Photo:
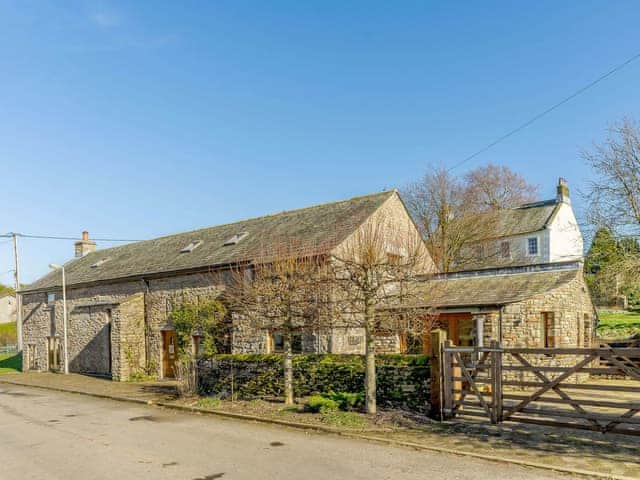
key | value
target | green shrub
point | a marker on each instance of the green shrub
(403, 380)
(346, 401)
(318, 403)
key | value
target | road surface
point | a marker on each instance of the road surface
(50, 435)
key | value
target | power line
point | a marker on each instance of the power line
(547, 111)
(54, 237)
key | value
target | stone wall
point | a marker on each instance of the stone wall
(387, 343)
(90, 313)
(572, 326)
(128, 339)
(94, 311)
(162, 294)
(117, 328)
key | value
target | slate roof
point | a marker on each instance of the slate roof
(497, 289)
(321, 227)
(526, 218)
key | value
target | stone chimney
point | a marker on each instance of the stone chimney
(563, 191)
(85, 245)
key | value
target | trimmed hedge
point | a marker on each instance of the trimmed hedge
(403, 380)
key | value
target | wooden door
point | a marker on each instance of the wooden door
(169, 353)
(458, 327)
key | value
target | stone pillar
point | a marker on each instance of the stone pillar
(438, 338)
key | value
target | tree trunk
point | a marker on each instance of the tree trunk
(370, 359)
(288, 369)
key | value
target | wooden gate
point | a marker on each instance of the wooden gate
(560, 387)
(472, 381)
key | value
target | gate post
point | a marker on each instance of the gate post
(438, 337)
(447, 381)
(496, 382)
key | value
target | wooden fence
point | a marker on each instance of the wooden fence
(545, 386)
(604, 362)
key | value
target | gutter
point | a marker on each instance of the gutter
(137, 277)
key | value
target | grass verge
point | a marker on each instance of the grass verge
(618, 325)
(10, 363)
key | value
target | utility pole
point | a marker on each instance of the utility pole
(16, 259)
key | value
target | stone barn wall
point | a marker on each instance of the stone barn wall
(572, 326)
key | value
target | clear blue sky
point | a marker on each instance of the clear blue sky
(136, 119)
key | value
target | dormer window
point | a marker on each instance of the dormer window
(191, 247)
(236, 238)
(532, 246)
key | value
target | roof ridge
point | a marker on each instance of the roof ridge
(539, 203)
(295, 210)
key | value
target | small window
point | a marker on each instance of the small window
(236, 238)
(51, 297)
(354, 340)
(277, 342)
(532, 246)
(587, 330)
(191, 247)
(505, 249)
(547, 336)
(394, 259)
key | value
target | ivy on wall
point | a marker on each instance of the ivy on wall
(203, 319)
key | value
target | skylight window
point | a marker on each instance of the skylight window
(191, 247)
(236, 238)
(99, 263)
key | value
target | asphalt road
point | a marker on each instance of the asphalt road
(50, 435)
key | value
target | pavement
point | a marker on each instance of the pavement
(58, 435)
(153, 391)
(564, 450)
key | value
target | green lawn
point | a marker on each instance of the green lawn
(618, 325)
(8, 334)
(10, 363)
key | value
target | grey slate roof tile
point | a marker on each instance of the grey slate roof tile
(527, 218)
(321, 227)
(497, 289)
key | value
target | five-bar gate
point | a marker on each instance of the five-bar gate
(545, 386)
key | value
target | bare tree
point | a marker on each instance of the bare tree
(614, 193)
(372, 269)
(448, 223)
(454, 213)
(280, 291)
(496, 187)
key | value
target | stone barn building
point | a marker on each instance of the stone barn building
(537, 306)
(530, 292)
(522, 285)
(120, 299)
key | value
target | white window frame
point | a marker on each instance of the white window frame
(528, 250)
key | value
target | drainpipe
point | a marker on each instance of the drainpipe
(147, 346)
(500, 325)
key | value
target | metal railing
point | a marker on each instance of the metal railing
(8, 349)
